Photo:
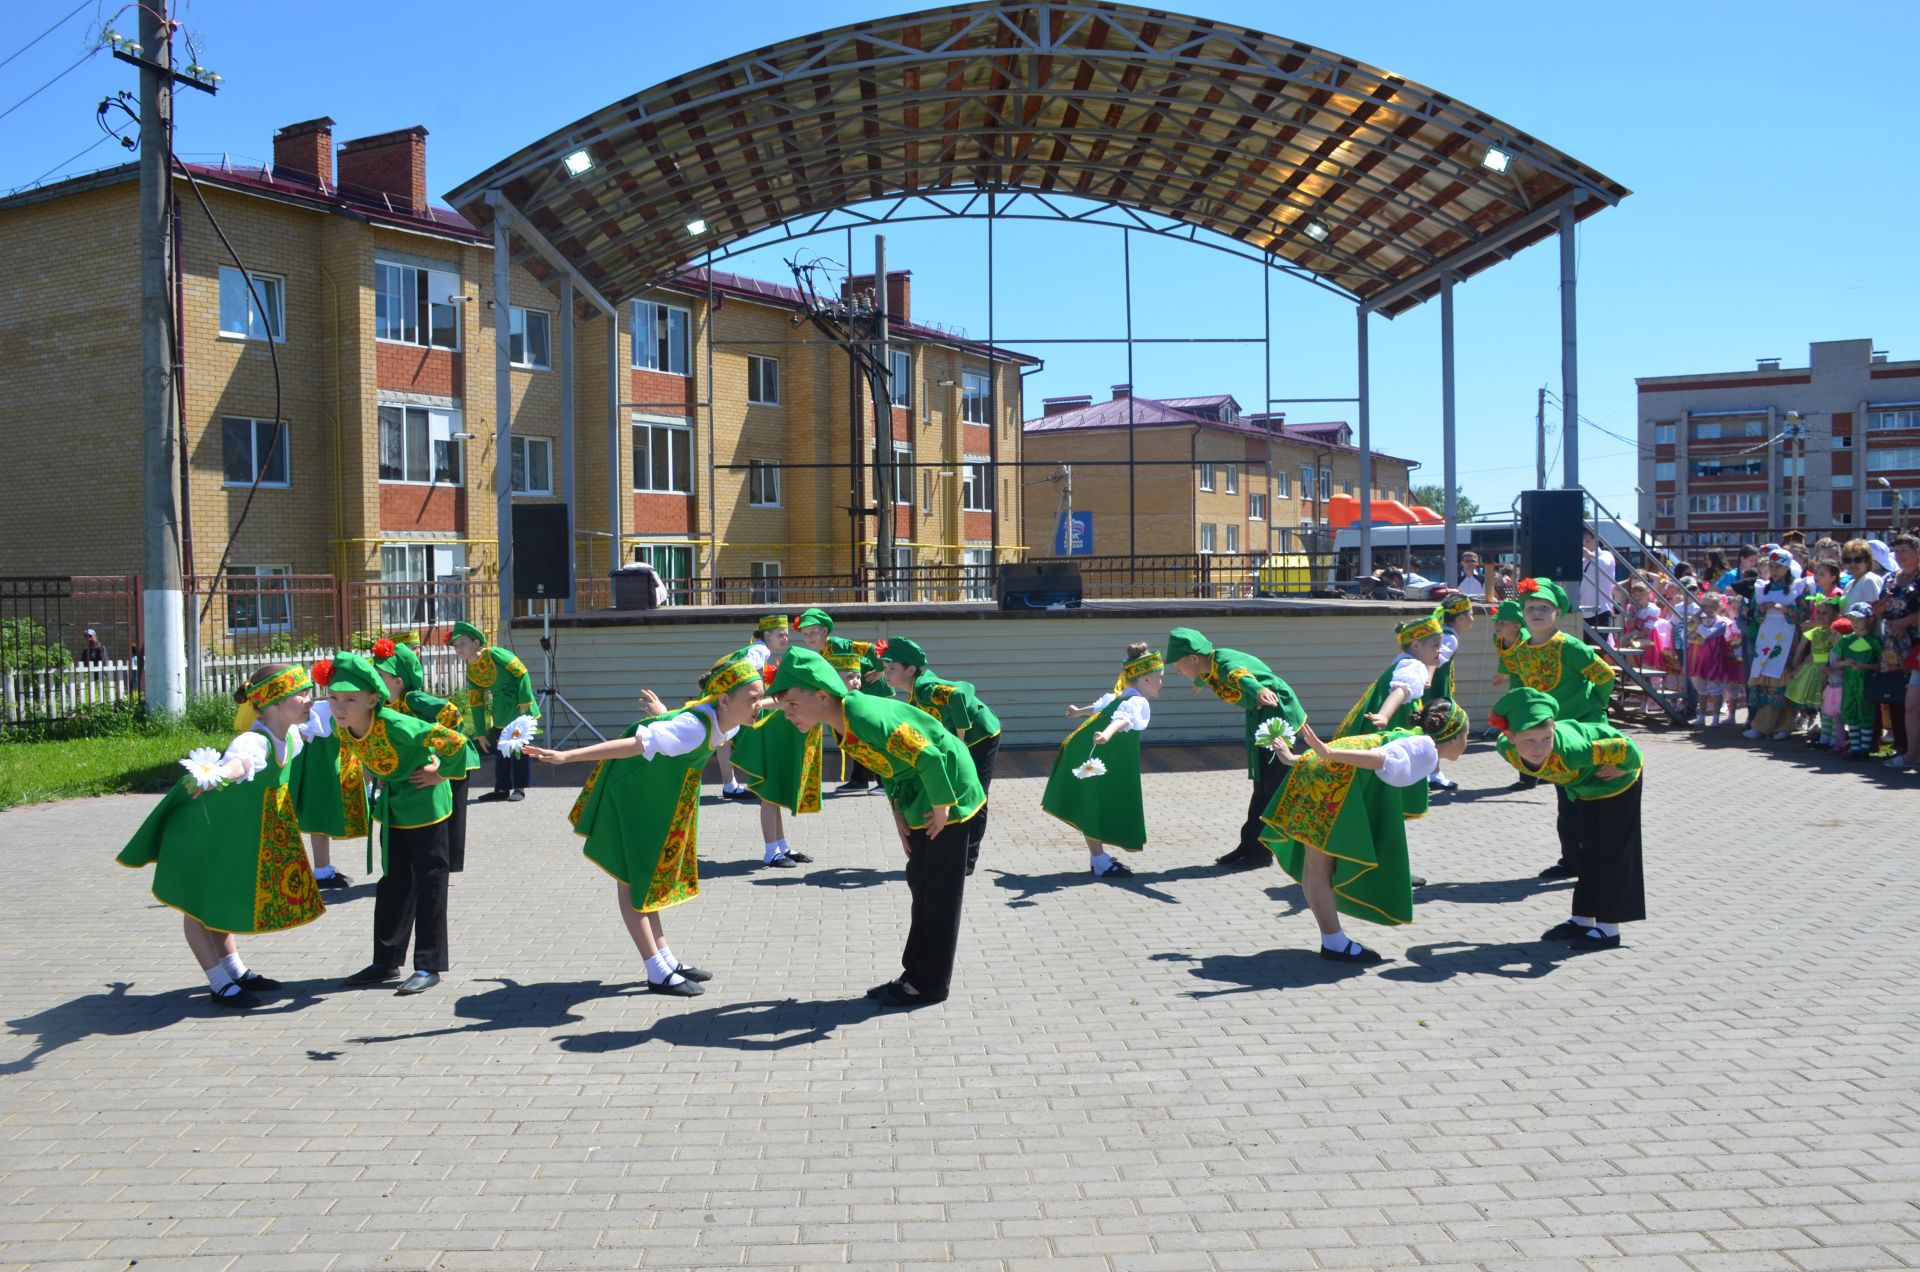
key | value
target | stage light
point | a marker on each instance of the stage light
(696, 227)
(579, 163)
(1496, 159)
(1317, 230)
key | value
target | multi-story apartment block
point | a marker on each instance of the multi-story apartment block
(733, 450)
(1833, 446)
(1199, 479)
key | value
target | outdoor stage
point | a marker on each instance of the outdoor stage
(1028, 664)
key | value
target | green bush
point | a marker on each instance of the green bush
(206, 713)
(24, 647)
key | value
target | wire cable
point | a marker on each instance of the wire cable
(44, 34)
(67, 163)
(50, 83)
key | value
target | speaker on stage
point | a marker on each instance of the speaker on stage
(542, 540)
(1551, 526)
(1041, 585)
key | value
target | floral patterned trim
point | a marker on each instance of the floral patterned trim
(860, 753)
(284, 893)
(482, 671)
(444, 741)
(375, 752)
(1539, 666)
(1599, 672)
(284, 685)
(906, 743)
(940, 695)
(1610, 751)
(1316, 792)
(676, 877)
(1224, 689)
(353, 794)
(580, 802)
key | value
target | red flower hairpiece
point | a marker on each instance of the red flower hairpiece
(322, 671)
(1528, 587)
(793, 624)
(768, 672)
(1498, 721)
(383, 648)
(879, 647)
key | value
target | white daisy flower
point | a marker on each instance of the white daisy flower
(1274, 730)
(1092, 768)
(203, 766)
(517, 735)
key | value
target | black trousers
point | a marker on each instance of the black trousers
(1566, 824)
(983, 753)
(937, 878)
(411, 899)
(1612, 888)
(510, 772)
(457, 825)
(1269, 778)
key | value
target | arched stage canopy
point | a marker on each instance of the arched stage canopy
(1372, 184)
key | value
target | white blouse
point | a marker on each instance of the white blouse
(1410, 674)
(1133, 713)
(250, 748)
(682, 734)
(1409, 761)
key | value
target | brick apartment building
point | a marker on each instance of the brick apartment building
(382, 464)
(1200, 481)
(1724, 461)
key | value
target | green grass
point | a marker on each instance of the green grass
(39, 772)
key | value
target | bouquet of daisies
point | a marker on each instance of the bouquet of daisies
(517, 735)
(1272, 731)
(1094, 767)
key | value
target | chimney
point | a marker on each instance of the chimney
(1121, 392)
(1061, 405)
(899, 292)
(1767, 364)
(1877, 356)
(392, 163)
(305, 151)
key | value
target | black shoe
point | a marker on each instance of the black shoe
(741, 793)
(852, 788)
(516, 797)
(881, 991)
(1441, 782)
(255, 983)
(695, 974)
(1251, 861)
(1115, 871)
(1558, 870)
(897, 996)
(491, 797)
(1564, 931)
(1354, 953)
(1229, 858)
(1525, 783)
(800, 857)
(373, 974)
(783, 862)
(419, 983)
(332, 882)
(1592, 940)
(682, 988)
(233, 998)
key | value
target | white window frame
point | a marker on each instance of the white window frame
(976, 485)
(1326, 484)
(651, 425)
(520, 318)
(283, 452)
(900, 378)
(763, 380)
(236, 295)
(926, 399)
(653, 337)
(1665, 470)
(654, 553)
(926, 490)
(976, 389)
(1233, 478)
(1843, 441)
(1256, 505)
(1663, 506)
(1843, 481)
(259, 599)
(903, 473)
(976, 580)
(766, 582)
(1888, 459)
(440, 423)
(1206, 475)
(1665, 433)
(522, 456)
(1282, 484)
(397, 286)
(763, 483)
(1233, 538)
(1890, 419)
(1209, 538)
(438, 575)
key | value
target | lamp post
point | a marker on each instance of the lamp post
(1795, 432)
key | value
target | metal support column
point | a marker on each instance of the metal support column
(1447, 473)
(1363, 395)
(884, 495)
(503, 415)
(613, 441)
(1569, 354)
(566, 435)
(1126, 275)
(1266, 409)
(994, 510)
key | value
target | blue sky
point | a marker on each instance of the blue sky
(1773, 204)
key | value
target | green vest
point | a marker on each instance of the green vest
(1578, 749)
(1237, 679)
(498, 690)
(956, 704)
(920, 764)
(424, 706)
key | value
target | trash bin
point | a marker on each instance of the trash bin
(635, 587)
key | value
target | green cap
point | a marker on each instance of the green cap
(397, 658)
(814, 617)
(1510, 611)
(803, 669)
(1520, 709)
(1182, 641)
(468, 630)
(1545, 590)
(905, 652)
(354, 673)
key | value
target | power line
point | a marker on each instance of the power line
(65, 163)
(49, 84)
(44, 34)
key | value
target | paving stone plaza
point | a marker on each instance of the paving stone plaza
(1151, 1075)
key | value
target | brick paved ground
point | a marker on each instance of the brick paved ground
(1128, 1077)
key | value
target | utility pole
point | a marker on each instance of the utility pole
(163, 661)
(882, 381)
(1540, 439)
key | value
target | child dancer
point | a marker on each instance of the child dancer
(771, 636)
(1712, 644)
(1339, 827)
(413, 806)
(329, 796)
(1107, 809)
(1456, 619)
(928, 777)
(814, 629)
(1569, 671)
(1599, 769)
(956, 704)
(1396, 694)
(498, 692)
(1243, 681)
(640, 811)
(782, 765)
(228, 856)
(1857, 654)
(405, 679)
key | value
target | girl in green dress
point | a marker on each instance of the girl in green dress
(1339, 824)
(640, 810)
(1394, 697)
(1107, 808)
(225, 842)
(780, 765)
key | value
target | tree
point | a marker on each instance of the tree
(1434, 496)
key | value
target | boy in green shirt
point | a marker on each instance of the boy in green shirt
(956, 704)
(499, 690)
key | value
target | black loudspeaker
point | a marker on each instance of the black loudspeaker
(1551, 528)
(541, 541)
(1040, 586)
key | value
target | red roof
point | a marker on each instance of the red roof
(1163, 413)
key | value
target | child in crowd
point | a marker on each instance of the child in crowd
(1807, 681)
(1857, 654)
(1713, 644)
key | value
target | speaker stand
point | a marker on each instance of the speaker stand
(553, 705)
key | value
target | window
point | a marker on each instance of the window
(255, 602)
(1843, 518)
(1256, 506)
(1282, 484)
(1306, 481)
(901, 492)
(1729, 468)
(1712, 430)
(974, 392)
(673, 562)
(763, 380)
(1346, 487)
(660, 337)
(1233, 538)
(926, 491)
(1878, 421)
(763, 483)
(1326, 484)
(434, 575)
(1727, 503)
(254, 448)
(1664, 470)
(766, 581)
(662, 458)
(1881, 500)
(1208, 532)
(417, 445)
(415, 306)
(900, 377)
(1664, 434)
(926, 400)
(1233, 479)
(1889, 458)
(1206, 476)
(531, 469)
(1843, 481)
(1843, 441)
(530, 339)
(240, 313)
(976, 487)
(1663, 506)
(1793, 466)
(976, 575)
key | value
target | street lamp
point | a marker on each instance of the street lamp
(1899, 505)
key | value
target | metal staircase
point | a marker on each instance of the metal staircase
(1642, 695)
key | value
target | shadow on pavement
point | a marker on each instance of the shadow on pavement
(1275, 969)
(837, 878)
(1290, 895)
(1490, 891)
(766, 1025)
(119, 1014)
(1444, 960)
(542, 1005)
(1026, 887)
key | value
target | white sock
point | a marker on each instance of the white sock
(217, 978)
(1605, 929)
(1335, 941)
(1100, 861)
(1581, 920)
(233, 967)
(660, 970)
(668, 955)
(776, 850)
(323, 872)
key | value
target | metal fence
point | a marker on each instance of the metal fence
(49, 665)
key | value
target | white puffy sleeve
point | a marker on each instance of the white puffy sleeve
(320, 723)
(251, 750)
(1449, 646)
(1409, 761)
(759, 655)
(677, 735)
(1100, 703)
(1410, 674)
(1133, 713)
